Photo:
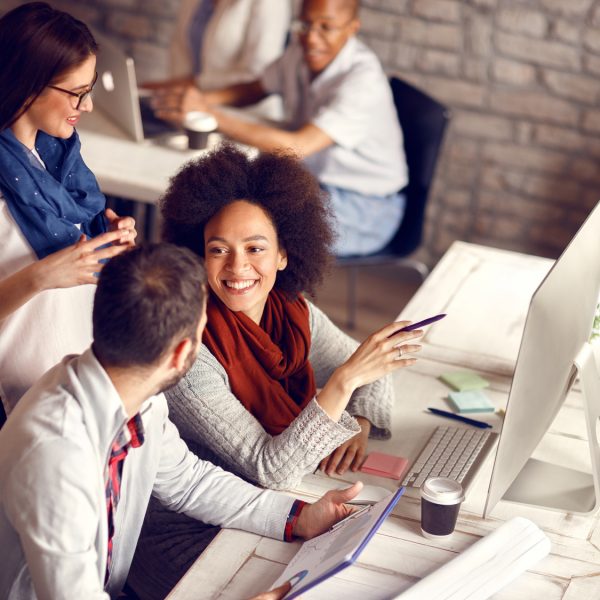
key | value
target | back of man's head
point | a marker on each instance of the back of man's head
(148, 299)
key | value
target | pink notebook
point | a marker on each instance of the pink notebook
(385, 465)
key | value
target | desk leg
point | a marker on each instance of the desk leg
(153, 223)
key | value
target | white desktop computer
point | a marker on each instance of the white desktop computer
(555, 350)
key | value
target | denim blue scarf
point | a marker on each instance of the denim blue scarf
(47, 203)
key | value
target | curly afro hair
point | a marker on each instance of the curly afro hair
(278, 183)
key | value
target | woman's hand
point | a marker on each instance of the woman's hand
(71, 266)
(381, 353)
(79, 263)
(350, 454)
(125, 225)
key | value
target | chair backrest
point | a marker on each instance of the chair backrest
(423, 121)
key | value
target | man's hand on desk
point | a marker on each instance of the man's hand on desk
(173, 103)
(317, 518)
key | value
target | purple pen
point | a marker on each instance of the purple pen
(422, 323)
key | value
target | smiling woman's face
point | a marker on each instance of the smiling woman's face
(242, 256)
(53, 111)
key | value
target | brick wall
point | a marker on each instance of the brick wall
(519, 167)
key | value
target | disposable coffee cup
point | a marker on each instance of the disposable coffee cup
(440, 502)
(198, 126)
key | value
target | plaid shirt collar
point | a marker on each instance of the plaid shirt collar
(131, 436)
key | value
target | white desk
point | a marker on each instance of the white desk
(138, 171)
(486, 294)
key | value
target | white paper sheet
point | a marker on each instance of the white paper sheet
(485, 567)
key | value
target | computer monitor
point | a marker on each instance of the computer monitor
(554, 350)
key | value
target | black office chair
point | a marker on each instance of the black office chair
(2, 414)
(423, 121)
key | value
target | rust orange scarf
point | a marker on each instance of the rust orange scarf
(267, 365)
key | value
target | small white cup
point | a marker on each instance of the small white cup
(198, 125)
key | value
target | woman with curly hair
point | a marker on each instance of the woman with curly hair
(277, 388)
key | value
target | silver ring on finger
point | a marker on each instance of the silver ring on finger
(399, 351)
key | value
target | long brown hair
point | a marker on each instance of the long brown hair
(38, 44)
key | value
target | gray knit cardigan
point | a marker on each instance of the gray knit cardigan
(208, 414)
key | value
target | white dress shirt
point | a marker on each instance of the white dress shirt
(54, 452)
(351, 101)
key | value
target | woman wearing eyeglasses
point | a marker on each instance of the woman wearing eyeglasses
(54, 230)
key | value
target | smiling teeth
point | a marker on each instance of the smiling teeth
(239, 285)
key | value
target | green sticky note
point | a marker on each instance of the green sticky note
(471, 401)
(463, 381)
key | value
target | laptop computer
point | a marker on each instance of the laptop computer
(116, 95)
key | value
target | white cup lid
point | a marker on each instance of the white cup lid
(199, 121)
(442, 490)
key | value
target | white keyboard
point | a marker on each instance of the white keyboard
(454, 452)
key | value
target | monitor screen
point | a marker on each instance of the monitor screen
(556, 335)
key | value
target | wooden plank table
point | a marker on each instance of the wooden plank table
(486, 294)
(135, 170)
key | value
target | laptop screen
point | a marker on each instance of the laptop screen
(116, 93)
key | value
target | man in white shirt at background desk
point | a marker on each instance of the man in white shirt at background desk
(340, 117)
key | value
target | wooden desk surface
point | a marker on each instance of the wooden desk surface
(486, 294)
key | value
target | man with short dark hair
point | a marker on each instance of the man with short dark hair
(91, 441)
(340, 117)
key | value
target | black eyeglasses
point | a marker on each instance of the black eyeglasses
(81, 96)
(323, 29)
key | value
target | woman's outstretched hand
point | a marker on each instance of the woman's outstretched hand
(79, 263)
(69, 267)
(381, 353)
